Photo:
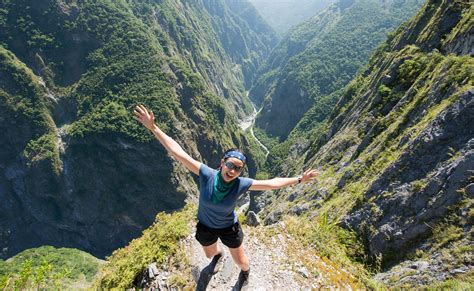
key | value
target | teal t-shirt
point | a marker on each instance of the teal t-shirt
(220, 214)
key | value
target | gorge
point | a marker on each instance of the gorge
(376, 95)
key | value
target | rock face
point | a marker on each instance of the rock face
(406, 214)
(76, 169)
(246, 42)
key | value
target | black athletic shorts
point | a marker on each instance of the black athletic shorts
(231, 236)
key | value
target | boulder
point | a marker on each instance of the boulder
(252, 219)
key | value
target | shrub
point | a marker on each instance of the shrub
(384, 91)
(157, 244)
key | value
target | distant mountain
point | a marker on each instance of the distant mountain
(396, 154)
(283, 15)
(301, 79)
(76, 169)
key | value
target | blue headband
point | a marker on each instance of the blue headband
(235, 154)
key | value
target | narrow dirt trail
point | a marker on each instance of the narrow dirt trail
(270, 268)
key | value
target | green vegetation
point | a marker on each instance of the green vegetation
(127, 57)
(242, 218)
(466, 22)
(319, 58)
(268, 141)
(24, 101)
(21, 93)
(418, 185)
(48, 268)
(412, 68)
(122, 55)
(385, 148)
(82, 66)
(44, 148)
(465, 282)
(205, 36)
(157, 244)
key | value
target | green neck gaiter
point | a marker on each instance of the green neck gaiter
(221, 188)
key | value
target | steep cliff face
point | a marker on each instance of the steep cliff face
(248, 41)
(77, 170)
(321, 56)
(397, 154)
(224, 41)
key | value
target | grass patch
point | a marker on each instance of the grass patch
(463, 282)
(334, 243)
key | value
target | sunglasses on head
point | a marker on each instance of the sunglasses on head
(231, 166)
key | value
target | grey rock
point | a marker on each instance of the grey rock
(406, 214)
(470, 190)
(298, 209)
(347, 175)
(321, 194)
(13, 172)
(252, 219)
(459, 271)
(152, 270)
(258, 200)
(292, 197)
(303, 272)
(420, 265)
(273, 217)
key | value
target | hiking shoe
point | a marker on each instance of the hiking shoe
(242, 281)
(207, 273)
(217, 263)
(204, 279)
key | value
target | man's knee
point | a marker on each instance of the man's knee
(242, 260)
(211, 250)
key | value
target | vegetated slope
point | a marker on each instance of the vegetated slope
(319, 57)
(282, 15)
(48, 267)
(77, 170)
(224, 41)
(397, 154)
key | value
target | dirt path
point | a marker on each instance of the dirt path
(270, 268)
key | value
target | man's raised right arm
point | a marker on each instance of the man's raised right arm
(147, 118)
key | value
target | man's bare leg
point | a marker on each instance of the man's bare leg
(212, 250)
(240, 258)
